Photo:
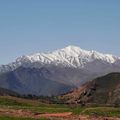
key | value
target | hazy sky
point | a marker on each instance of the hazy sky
(29, 26)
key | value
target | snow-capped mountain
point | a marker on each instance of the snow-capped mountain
(70, 66)
(70, 56)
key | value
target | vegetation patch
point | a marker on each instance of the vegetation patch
(19, 118)
(102, 111)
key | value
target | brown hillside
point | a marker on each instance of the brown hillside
(103, 90)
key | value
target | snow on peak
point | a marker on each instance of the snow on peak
(69, 56)
(73, 50)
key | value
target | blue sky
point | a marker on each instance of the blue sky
(30, 26)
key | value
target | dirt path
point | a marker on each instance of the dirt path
(66, 114)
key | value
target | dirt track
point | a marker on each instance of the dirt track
(66, 114)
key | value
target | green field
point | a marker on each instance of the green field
(15, 118)
(102, 111)
(37, 107)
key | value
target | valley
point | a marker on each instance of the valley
(59, 59)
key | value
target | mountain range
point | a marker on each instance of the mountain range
(56, 72)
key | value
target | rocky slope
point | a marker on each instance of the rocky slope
(103, 90)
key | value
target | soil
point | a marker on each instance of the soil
(51, 116)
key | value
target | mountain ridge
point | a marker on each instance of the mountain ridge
(70, 66)
(70, 56)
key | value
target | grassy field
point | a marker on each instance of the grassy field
(36, 106)
(102, 111)
(16, 118)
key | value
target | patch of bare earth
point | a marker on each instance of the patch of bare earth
(51, 116)
(27, 113)
(66, 114)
